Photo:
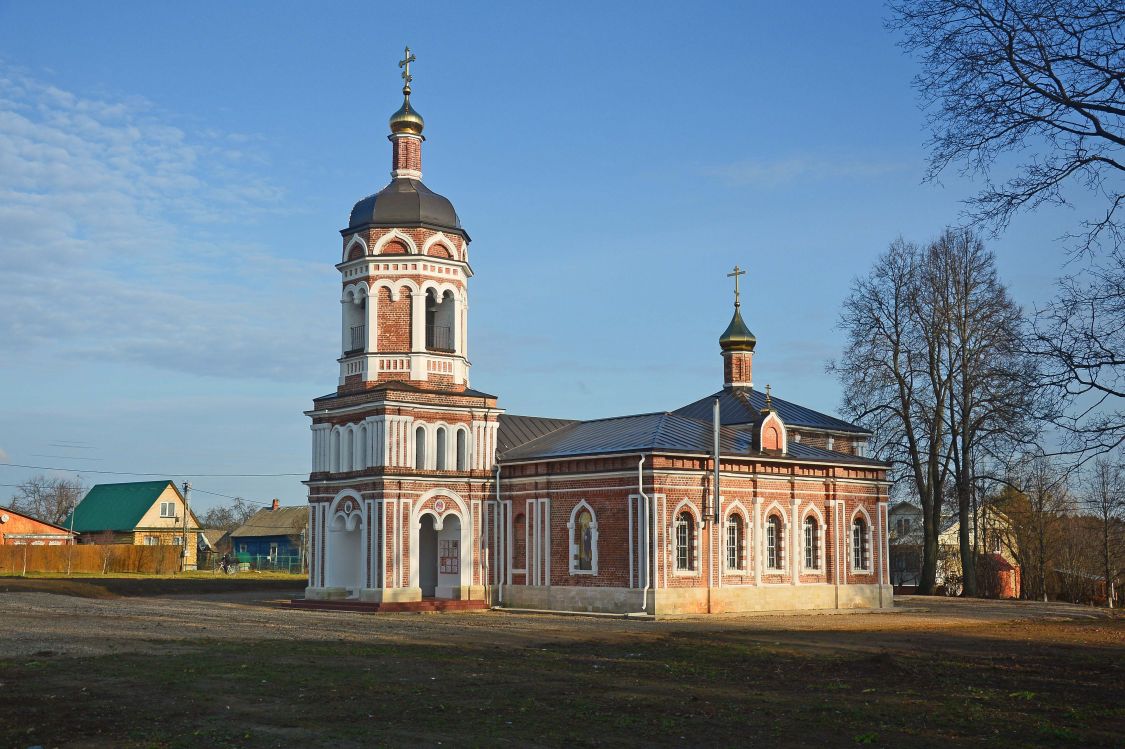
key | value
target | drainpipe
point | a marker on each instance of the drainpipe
(646, 547)
(496, 518)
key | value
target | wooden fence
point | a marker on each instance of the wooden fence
(98, 559)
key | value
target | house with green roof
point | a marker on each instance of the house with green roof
(149, 513)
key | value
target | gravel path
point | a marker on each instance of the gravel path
(32, 623)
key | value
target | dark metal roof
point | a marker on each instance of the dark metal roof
(406, 387)
(518, 430)
(658, 432)
(739, 405)
(403, 203)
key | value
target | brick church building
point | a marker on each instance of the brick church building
(423, 487)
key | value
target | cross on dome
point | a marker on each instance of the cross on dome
(404, 63)
(736, 273)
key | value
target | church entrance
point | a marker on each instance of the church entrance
(344, 557)
(428, 557)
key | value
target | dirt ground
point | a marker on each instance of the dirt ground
(233, 669)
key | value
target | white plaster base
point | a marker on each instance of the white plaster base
(667, 601)
(390, 595)
(325, 594)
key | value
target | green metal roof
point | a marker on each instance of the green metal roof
(116, 507)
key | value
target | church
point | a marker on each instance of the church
(423, 489)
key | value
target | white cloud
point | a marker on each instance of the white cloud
(125, 237)
(759, 173)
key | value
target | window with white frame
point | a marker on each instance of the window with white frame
(773, 542)
(439, 449)
(167, 509)
(152, 541)
(812, 544)
(860, 555)
(685, 542)
(420, 447)
(462, 450)
(583, 529)
(735, 535)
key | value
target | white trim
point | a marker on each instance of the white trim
(866, 569)
(774, 507)
(356, 239)
(737, 508)
(696, 568)
(395, 234)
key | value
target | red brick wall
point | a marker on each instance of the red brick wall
(394, 322)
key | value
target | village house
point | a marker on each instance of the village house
(17, 528)
(149, 513)
(422, 487)
(273, 538)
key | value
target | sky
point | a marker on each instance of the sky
(174, 176)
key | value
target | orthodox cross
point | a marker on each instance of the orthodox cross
(769, 401)
(736, 273)
(404, 63)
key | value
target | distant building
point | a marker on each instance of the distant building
(273, 537)
(17, 528)
(997, 568)
(148, 513)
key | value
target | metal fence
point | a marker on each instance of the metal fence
(295, 565)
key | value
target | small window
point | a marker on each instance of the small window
(735, 560)
(859, 544)
(420, 447)
(273, 552)
(439, 449)
(242, 548)
(773, 542)
(151, 541)
(812, 544)
(167, 509)
(583, 538)
(685, 542)
(178, 541)
(462, 450)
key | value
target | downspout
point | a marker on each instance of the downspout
(647, 545)
(496, 519)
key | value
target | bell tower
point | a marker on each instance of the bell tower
(404, 274)
(737, 344)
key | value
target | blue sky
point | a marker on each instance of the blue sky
(173, 178)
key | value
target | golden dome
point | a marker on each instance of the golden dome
(406, 119)
(737, 337)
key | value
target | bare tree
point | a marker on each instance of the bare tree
(228, 517)
(934, 364)
(895, 384)
(991, 398)
(1040, 80)
(1105, 499)
(49, 499)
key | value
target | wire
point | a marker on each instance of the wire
(165, 473)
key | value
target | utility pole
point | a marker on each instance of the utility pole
(187, 513)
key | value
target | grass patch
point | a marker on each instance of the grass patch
(667, 688)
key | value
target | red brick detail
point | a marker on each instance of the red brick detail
(736, 367)
(406, 153)
(394, 321)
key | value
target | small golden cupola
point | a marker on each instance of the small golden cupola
(407, 120)
(737, 344)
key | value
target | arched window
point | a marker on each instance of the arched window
(583, 541)
(859, 544)
(347, 460)
(420, 447)
(773, 542)
(735, 559)
(334, 452)
(812, 544)
(685, 542)
(439, 449)
(439, 321)
(519, 542)
(462, 450)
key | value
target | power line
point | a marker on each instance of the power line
(162, 474)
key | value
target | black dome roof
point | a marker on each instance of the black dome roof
(405, 202)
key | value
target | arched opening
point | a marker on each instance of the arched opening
(449, 558)
(462, 450)
(685, 542)
(355, 318)
(427, 556)
(439, 449)
(735, 534)
(773, 542)
(859, 544)
(345, 558)
(420, 447)
(583, 529)
(812, 544)
(347, 461)
(439, 321)
(334, 451)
